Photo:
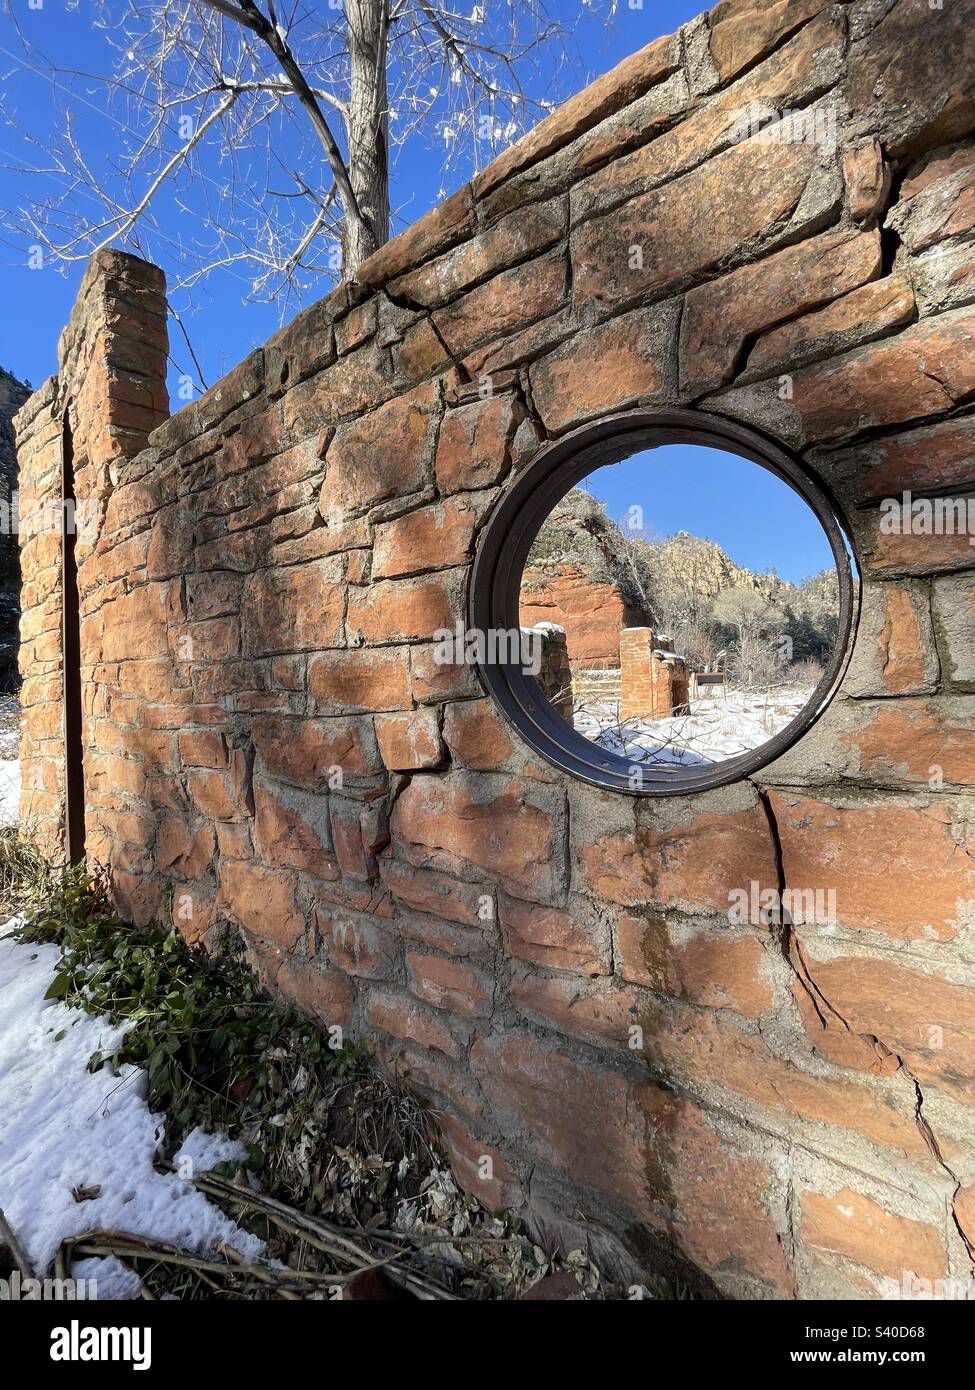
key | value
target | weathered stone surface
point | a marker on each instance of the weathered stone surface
(474, 449)
(923, 371)
(855, 318)
(475, 734)
(705, 968)
(930, 53)
(743, 30)
(608, 94)
(629, 359)
(503, 304)
(857, 851)
(381, 455)
(457, 825)
(261, 901)
(410, 740)
(867, 179)
(523, 234)
(656, 243)
(430, 538)
(953, 600)
(721, 316)
(850, 1224)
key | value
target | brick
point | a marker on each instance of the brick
(261, 901)
(953, 601)
(400, 609)
(349, 682)
(856, 318)
(324, 995)
(860, 851)
(867, 180)
(291, 831)
(503, 304)
(627, 361)
(309, 752)
(448, 824)
(923, 371)
(354, 944)
(297, 608)
(809, 64)
(448, 984)
(474, 448)
(602, 98)
(914, 739)
(751, 187)
(401, 1017)
(478, 1166)
(707, 1050)
(523, 234)
(713, 969)
(850, 1224)
(576, 1006)
(930, 459)
(743, 30)
(474, 734)
(430, 538)
(579, 1119)
(190, 854)
(919, 1015)
(383, 454)
(549, 936)
(721, 316)
(899, 56)
(203, 748)
(943, 208)
(427, 891)
(214, 796)
(697, 863)
(410, 741)
(443, 225)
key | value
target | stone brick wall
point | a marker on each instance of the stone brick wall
(772, 1110)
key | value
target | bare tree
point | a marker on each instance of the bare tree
(276, 129)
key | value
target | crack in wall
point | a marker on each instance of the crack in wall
(826, 1011)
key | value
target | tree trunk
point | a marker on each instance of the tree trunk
(368, 130)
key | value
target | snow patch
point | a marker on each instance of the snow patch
(64, 1129)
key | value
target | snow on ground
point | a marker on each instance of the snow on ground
(716, 728)
(63, 1128)
(9, 793)
(9, 763)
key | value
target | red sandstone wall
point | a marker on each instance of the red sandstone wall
(592, 614)
(268, 733)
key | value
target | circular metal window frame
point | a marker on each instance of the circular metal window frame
(495, 584)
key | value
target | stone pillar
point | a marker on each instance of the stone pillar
(651, 686)
(636, 673)
(98, 412)
(555, 673)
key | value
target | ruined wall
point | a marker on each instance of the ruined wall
(773, 1112)
(592, 612)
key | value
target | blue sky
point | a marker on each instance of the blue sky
(756, 518)
(222, 325)
(752, 515)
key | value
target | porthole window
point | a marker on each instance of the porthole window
(663, 603)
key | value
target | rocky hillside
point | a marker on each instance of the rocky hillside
(702, 567)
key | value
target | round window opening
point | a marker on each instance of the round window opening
(663, 603)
